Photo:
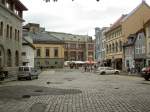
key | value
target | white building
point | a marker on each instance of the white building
(28, 51)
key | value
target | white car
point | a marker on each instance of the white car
(107, 70)
(27, 72)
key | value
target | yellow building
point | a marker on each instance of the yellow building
(49, 55)
(117, 35)
(49, 51)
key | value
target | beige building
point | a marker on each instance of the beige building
(77, 47)
(117, 35)
(11, 18)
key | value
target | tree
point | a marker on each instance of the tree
(57, 0)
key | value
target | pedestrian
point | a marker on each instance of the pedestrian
(129, 71)
(85, 67)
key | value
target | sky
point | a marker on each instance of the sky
(77, 17)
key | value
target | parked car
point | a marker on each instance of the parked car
(27, 72)
(146, 73)
(107, 70)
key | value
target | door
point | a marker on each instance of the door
(1, 56)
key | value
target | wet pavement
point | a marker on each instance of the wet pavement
(76, 91)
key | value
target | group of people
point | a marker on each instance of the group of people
(89, 67)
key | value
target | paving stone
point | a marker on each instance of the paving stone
(77, 92)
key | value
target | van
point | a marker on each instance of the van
(27, 72)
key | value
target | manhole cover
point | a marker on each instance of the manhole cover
(48, 82)
(26, 96)
(38, 107)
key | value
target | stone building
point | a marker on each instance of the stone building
(11, 18)
(77, 47)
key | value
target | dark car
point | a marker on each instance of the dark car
(146, 73)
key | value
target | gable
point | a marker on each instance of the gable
(136, 19)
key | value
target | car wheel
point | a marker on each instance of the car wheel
(102, 73)
(116, 72)
(146, 77)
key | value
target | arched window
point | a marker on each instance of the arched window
(17, 58)
(107, 49)
(113, 47)
(116, 47)
(9, 61)
(110, 48)
(120, 45)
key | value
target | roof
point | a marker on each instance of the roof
(70, 37)
(26, 42)
(19, 5)
(42, 37)
(134, 10)
(131, 40)
(118, 22)
(124, 17)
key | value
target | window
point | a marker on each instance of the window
(11, 32)
(7, 31)
(72, 46)
(18, 35)
(23, 53)
(120, 46)
(143, 49)
(17, 59)
(9, 61)
(47, 52)
(38, 52)
(15, 34)
(116, 46)
(1, 28)
(55, 52)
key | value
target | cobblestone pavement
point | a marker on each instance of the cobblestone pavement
(76, 91)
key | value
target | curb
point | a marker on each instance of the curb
(8, 80)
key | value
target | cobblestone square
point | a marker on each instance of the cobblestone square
(76, 91)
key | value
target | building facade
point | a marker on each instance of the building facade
(28, 52)
(118, 33)
(49, 51)
(147, 35)
(11, 18)
(129, 52)
(77, 47)
(100, 45)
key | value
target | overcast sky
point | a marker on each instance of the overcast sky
(78, 17)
